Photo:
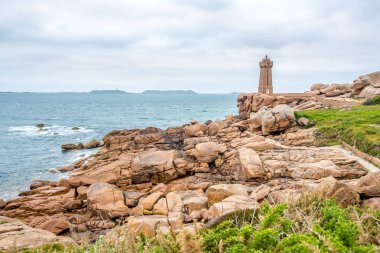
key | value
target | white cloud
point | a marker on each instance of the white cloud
(205, 45)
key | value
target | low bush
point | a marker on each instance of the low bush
(309, 225)
(373, 101)
(331, 229)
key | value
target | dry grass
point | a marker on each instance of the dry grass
(302, 224)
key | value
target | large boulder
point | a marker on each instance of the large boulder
(193, 201)
(147, 224)
(369, 185)
(182, 201)
(71, 146)
(318, 86)
(131, 199)
(100, 173)
(260, 146)
(156, 166)
(278, 119)
(217, 193)
(255, 121)
(91, 144)
(302, 137)
(361, 82)
(206, 152)
(335, 93)
(229, 205)
(16, 236)
(148, 202)
(161, 207)
(214, 128)
(316, 170)
(372, 203)
(260, 100)
(366, 86)
(375, 77)
(81, 192)
(329, 187)
(158, 160)
(248, 103)
(195, 130)
(251, 163)
(56, 226)
(260, 192)
(369, 92)
(148, 138)
(107, 200)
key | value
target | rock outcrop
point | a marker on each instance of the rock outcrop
(341, 192)
(369, 185)
(155, 180)
(87, 145)
(229, 205)
(251, 163)
(252, 103)
(217, 193)
(275, 120)
(15, 236)
(206, 152)
(366, 86)
(107, 200)
(56, 226)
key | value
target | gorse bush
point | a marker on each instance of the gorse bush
(309, 225)
(332, 231)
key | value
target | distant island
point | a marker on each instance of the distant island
(108, 92)
(169, 92)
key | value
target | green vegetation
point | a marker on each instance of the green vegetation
(358, 127)
(373, 101)
(310, 225)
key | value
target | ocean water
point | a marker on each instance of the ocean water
(27, 154)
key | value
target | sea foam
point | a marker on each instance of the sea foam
(48, 130)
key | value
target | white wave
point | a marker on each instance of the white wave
(79, 154)
(48, 130)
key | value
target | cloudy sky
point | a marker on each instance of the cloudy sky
(211, 46)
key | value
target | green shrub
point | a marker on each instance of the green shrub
(373, 101)
(332, 230)
(298, 243)
(336, 221)
(265, 239)
(309, 225)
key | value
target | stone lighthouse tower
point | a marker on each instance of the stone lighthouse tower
(265, 84)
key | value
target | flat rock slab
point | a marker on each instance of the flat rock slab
(16, 236)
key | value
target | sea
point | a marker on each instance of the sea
(28, 153)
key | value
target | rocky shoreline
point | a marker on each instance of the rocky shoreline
(152, 180)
